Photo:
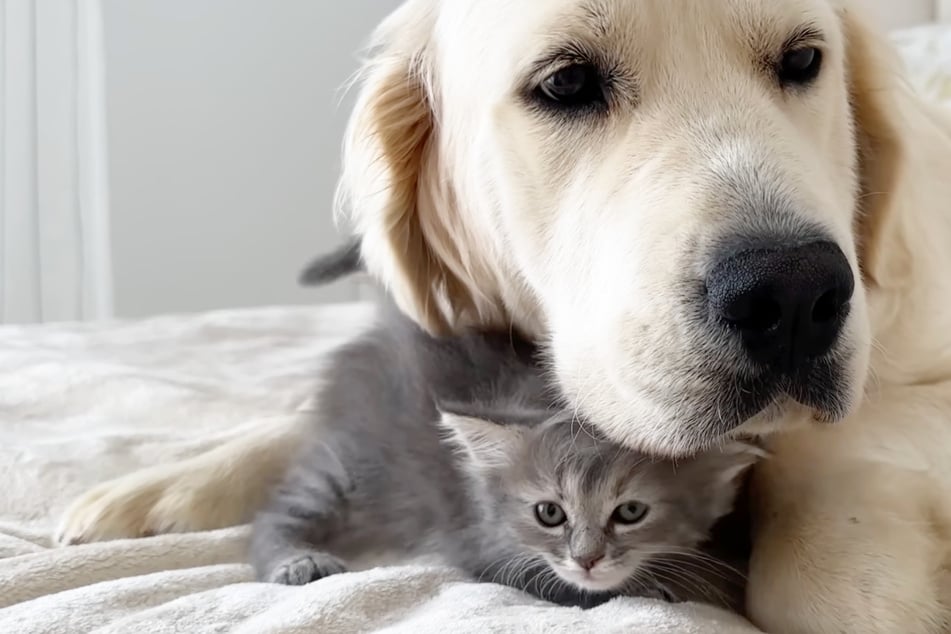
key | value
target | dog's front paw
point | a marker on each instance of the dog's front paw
(169, 499)
(302, 569)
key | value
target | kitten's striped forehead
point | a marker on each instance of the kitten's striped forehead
(583, 465)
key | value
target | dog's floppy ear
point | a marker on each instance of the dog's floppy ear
(396, 189)
(877, 88)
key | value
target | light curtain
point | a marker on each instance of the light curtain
(54, 225)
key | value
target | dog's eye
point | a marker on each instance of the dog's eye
(799, 66)
(575, 86)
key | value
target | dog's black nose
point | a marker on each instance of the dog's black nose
(787, 304)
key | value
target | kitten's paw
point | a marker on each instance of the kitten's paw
(302, 569)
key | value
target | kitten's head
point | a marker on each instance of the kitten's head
(601, 516)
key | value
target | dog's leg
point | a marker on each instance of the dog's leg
(219, 488)
(854, 546)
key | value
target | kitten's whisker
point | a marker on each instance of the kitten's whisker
(491, 567)
(564, 585)
(703, 589)
(504, 573)
(712, 563)
(638, 584)
(699, 582)
(533, 581)
(556, 584)
(550, 582)
(679, 582)
(698, 566)
(517, 567)
(521, 568)
(494, 568)
(631, 585)
(686, 551)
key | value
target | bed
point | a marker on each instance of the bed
(81, 403)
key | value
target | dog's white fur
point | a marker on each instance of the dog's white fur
(475, 210)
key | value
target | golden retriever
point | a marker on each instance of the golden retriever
(722, 218)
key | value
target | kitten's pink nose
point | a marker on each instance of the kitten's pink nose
(589, 561)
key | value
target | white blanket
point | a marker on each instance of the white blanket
(80, 404)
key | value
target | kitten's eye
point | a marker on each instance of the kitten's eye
(550, 514)
(630, 513)
(574, 86)
(799, 66)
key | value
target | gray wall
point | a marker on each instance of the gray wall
(224, 126)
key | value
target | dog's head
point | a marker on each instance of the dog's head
(684, 199)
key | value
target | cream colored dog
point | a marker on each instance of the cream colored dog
(722, 217)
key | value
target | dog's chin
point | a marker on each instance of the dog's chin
(786, 413)
(762, 402)
(821, 393)
(732, 403)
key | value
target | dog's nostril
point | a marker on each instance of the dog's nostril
(826, 308)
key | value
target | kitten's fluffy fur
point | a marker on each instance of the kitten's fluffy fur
(380, 475)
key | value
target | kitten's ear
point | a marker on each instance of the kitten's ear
(731, 461)
(485, 444)
(721, 471)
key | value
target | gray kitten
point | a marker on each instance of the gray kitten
(458, 447)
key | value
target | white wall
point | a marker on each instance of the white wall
(224, 140)
(902, 13)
